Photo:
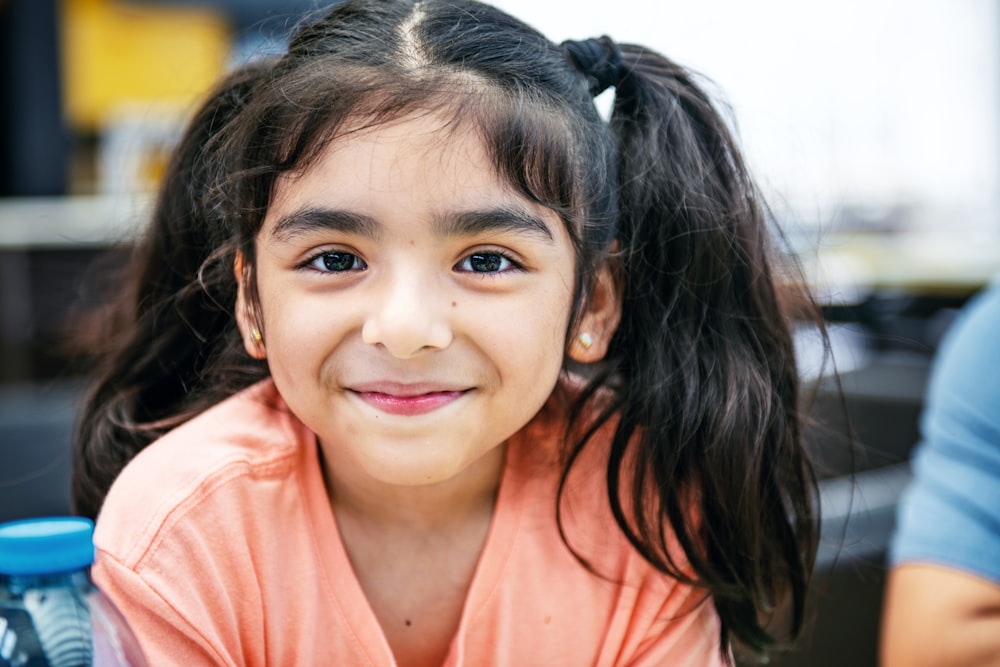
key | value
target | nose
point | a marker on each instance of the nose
(406, 317)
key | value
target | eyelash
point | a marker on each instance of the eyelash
(511, 264)
(311, 263)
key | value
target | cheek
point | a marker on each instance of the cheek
(552, 314)
(299, 330)
(533, 335)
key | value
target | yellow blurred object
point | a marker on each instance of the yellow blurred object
(117, 54)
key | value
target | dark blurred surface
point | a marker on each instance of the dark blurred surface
(35, 425)
(878, 405)
(41, 289)
(34, 139)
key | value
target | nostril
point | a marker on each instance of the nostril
(406, 332)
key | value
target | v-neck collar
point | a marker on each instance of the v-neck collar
(348, 596)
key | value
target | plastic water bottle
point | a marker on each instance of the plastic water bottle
(51, 614)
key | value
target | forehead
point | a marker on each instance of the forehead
(421, 152)
(533, 144)
(422, 166)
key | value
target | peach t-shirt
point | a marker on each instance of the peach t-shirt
(219, 545)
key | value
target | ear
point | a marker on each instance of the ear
(251, 329)
(599, 321)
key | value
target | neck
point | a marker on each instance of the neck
(361, 499)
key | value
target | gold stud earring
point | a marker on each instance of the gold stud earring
(256, 336)
(585, 340)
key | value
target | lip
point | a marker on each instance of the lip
(407, 399)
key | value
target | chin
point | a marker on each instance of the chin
(415, 472)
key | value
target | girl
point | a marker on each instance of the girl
(421, 362)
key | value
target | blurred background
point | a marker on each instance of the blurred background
(873, 127)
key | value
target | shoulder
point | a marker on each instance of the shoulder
(971, 346)
(595, 583)
(963, 399)
(949, 513)
(576, 484)
(249, 438)
(961, 419)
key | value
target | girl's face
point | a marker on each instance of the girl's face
(414, 307)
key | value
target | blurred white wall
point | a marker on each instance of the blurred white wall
(869, 106)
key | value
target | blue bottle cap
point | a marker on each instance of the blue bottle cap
(46, 545)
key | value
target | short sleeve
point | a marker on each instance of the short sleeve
(177, 642)
(950, 514)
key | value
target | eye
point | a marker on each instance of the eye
(336, 262)
(487, 262)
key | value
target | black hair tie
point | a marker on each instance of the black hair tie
(599, 59)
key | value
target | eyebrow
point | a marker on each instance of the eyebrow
(507, 219)
(312, 219)
(503, 219)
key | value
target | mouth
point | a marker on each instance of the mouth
(407, 400)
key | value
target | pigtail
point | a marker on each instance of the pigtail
(156, 346)
(708, 437)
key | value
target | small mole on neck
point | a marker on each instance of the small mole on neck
(408, 622)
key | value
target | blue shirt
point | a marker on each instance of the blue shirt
(950, 514)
